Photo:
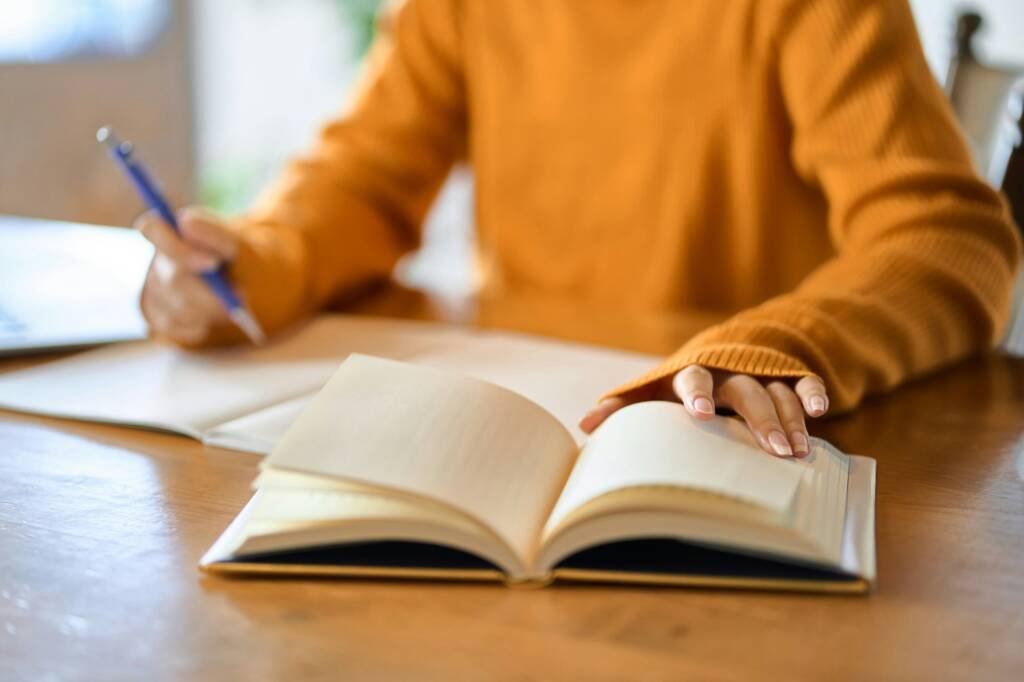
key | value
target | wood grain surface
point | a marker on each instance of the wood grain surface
(101, 528)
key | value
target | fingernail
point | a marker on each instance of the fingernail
(818, 404)
(704, 406)
(801, 446)
(777, 439)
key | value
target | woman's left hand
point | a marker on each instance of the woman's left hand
(774, 409)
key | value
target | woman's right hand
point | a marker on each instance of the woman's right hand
(176, 302)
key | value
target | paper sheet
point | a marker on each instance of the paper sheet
(484, 450)
(259, 431)
(246, 398)
(658, 443)
(565, 379)
(160, 386)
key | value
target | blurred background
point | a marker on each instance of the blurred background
(219, 94)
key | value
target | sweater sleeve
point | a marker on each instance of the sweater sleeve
(926, 251)
(342, 216)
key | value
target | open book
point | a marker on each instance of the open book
(399, 470)
(245, 398)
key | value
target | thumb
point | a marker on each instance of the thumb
(206, 230)
(604, 409)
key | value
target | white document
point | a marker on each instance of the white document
(720, 457)
(158, 386)
(566, 379)
(245, 398)
(260, 431)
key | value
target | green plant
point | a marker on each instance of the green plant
(360, 16)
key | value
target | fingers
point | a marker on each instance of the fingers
(177, 304)
(206, 230)
(603, 410)
(791, 415)
(752, 401)
(661, 390)
(167, 242)
(774, 412)
(164, 322)
(695, 386)
(812, 394)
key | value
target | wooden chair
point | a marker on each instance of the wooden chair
(988, 101)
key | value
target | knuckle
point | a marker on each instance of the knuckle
(173, 320)
(192, 230)
(198, 214)
(766, 424)
(178, 277)
(795, 425)
(731, 383)
(188, 214)
(746, 405)
(791, 412)
(684, 384)
(728, 393)
(696, 372)
(744, 381)
(177, 252)
(784, 397)
(792, 418)
(748, 389)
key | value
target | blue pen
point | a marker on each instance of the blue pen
(122, 152)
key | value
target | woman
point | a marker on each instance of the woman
(792, 161)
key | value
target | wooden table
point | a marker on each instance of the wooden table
(101, 529)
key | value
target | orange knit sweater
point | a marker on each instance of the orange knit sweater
(791, 161)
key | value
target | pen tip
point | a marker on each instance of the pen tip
(248, 324)
(103, 133)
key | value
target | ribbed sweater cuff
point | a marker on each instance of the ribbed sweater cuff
(741, 358)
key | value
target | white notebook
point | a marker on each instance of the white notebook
(245, 398)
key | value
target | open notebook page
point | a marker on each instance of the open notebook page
(159, 386)
(258, 432)
(658, 443)
(481, 449)
(565, 379)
